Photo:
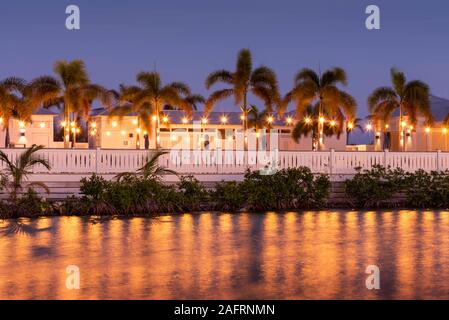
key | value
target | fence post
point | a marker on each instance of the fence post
(96, 160)
(331, 162)
(386, 158)
(438, 159)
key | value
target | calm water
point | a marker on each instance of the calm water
(313, 255)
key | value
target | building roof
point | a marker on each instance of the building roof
(439, 107)
(176, 117)
(45, 112)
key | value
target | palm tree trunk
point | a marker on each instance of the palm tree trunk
(401, 129)
(7, 137)
(66, 135)
(320, 126)
(138, 134)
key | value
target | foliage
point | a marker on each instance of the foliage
(261, 82)
(286, 189)
(412, 98)
(194, 194)
(428, 190)
(30, 205)
(372, 188)
(228, 196)
(17, 171)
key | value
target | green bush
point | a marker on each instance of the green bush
(372, 188)
(285, 189)
(194, 195)
(427, 190)
(228, 196)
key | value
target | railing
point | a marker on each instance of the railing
(76, 161)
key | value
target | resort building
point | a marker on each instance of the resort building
(420, 137)
(217, 131)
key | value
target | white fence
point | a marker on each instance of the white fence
(75, 161)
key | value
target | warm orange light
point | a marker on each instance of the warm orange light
(289, 120)
(185, 120)
(369, 127)
(322, 120)
(135, 122)
(350, 126)
(21, 124)
(387, 126)
(404, 123)
(114, 124)
(427, 130)
(333, 123)
(444, 130)
(307, 120)
(165, 119)
(42, 125)
(242, 117)
(123, 133)
(93, 125)
(270, 119)
(224, 119)
(204, 120)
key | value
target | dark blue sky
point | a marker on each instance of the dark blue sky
(187, 39)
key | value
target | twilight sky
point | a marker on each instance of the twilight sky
(187, 39)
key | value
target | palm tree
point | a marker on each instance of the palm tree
(332, 101)
(151, 170)
(17, 171)
(257, 121)
(72, 92)
(352, 125)
(11, 103)
(150, 97)
(261, 82)
(311, 125)
(411, 98)
(18, 100)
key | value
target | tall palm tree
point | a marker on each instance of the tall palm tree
(17, 171)
(18, 100)
(261, 82)
(410, 98)
(11, 103)
(311, 125)
(72, 92)
(333, 102)
(149, 98)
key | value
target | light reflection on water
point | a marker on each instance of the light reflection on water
(312, 255)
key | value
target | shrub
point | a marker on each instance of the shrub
(427, 190)
(285, 189)
(194, 195)
(228, 196)
(372, 188)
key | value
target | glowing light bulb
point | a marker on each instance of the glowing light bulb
(93, 125)
(307, 120)
(270, 119)
(204, 121)
(242, 117)
(444, 130)
(165, 119)
(123, 133)
(185, 120)
(322, 120)
(224, 119)
(93, 132)
(154, 117)
(63, 124)
(72, 124)
(289, 120)
(1, 119)
(42, 125)
(138, 130)
(21, 124)
(427, 130)
(332, 123)
(404, 123)
(135, 122)
(108, 133)
(387, 126)
(369, 127)
(350, 126)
